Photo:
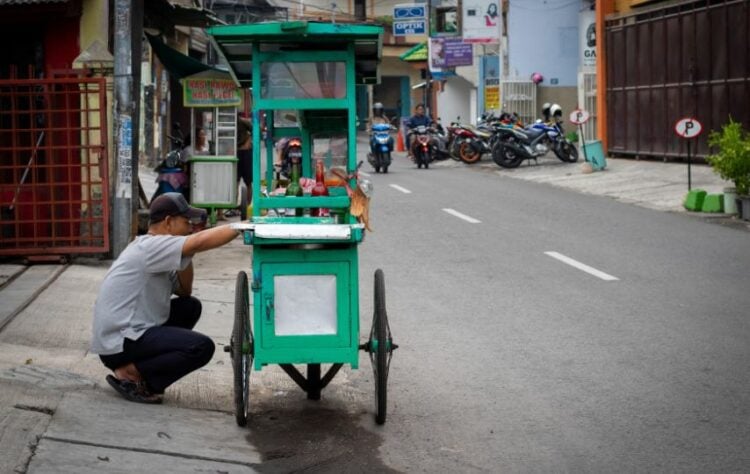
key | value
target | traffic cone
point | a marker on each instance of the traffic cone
(400, 141)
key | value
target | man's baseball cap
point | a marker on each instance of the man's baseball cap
(174, 204)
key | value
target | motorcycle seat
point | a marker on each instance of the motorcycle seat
(481, 133)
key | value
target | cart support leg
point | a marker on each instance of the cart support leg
(313, 381)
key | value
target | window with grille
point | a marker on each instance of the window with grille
(360, 10)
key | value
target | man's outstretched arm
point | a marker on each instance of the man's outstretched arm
(208, 239)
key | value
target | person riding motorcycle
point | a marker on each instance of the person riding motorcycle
(378, 117)
(419, 118)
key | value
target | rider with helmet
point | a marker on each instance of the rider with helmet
(378, 117)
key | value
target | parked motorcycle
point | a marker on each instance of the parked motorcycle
(291, 149)
(476, 141)
(172, 174)
(420, 146)
(534, 142)
(381, 146)
(439, 141)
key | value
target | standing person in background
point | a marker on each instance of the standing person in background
(244, 154)
(244, 149)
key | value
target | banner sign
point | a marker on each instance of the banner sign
(450, 52)
(492, 93)
(587, 32)
(413, 27)
(206, 92)
(409, 11)
(481, 21)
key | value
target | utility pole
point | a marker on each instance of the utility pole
(127, 35)
(504, 38)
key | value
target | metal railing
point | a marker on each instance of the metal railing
(519, 96)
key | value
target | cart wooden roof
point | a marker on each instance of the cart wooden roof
(234, 43)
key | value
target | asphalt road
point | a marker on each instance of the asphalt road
(540, 330)
(511, 360)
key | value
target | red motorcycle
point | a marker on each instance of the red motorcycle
(420, 146)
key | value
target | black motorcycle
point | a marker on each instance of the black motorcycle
(291, 150)
(531, 143)
(172, 169)
(440, 141)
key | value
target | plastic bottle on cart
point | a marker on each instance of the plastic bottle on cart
(294, 189)
(320, 189)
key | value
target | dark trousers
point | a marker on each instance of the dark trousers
(245, 167)
(165, 354)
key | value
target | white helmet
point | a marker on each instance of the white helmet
(377, 106)
(556, 110)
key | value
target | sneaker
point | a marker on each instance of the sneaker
(134, 392)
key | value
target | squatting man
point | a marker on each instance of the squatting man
(140, 332)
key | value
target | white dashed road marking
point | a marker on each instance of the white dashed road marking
(399, 188)
(462, 216)
(582, 266)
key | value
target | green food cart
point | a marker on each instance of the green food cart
(304, 281)
(214, 97)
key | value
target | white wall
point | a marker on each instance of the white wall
(454, 101)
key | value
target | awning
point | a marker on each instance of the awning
(178, 64)
(417, 53)
(161, 13)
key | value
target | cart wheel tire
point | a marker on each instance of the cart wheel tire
(241, 344)
(243, 203)
(380, 341)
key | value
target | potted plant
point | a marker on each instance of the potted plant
(732, 161)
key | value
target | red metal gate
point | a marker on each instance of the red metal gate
(54, 179)
(665, 63)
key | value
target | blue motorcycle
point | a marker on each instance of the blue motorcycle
(532, 143)
(381, 146)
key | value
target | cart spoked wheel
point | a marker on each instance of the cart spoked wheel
(380, 347)
(241, 349)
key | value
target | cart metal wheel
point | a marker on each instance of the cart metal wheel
(241, 344)
(380, 348)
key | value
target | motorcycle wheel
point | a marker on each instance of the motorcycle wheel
(468, 154)
(454, 148)
(566, 152)
(386, 162)
(505, 157)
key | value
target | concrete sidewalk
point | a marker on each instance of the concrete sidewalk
(58, 415)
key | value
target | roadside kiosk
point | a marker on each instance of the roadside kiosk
(214, 97)
(305, 268)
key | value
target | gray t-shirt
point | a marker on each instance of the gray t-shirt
(135, 293)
